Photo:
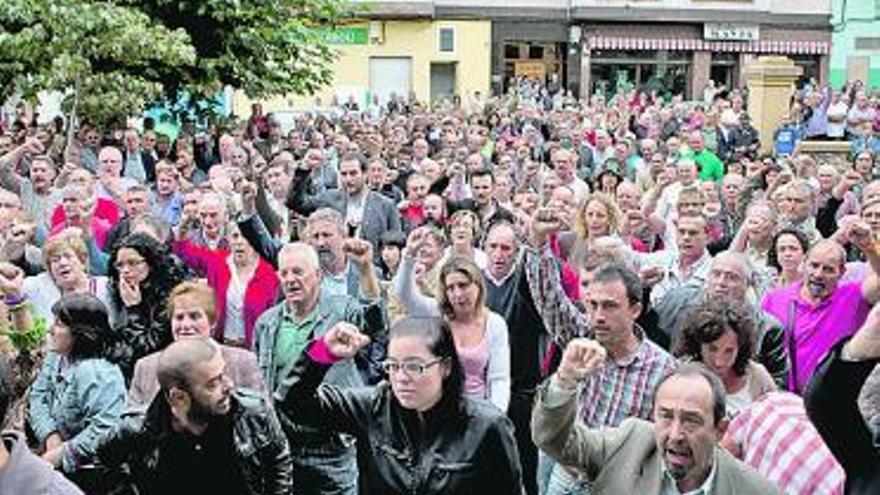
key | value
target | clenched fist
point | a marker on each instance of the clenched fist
(344, 340)
(582, 358)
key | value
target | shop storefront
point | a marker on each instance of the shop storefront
(678, 60)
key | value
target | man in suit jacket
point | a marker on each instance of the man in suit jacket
(367, 214)
(193, 313)
(678, 453)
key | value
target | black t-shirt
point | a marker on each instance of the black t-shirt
(207, 461)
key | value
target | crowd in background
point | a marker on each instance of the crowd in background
(521, 294)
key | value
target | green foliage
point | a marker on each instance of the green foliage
(123, 54)
(28, 341)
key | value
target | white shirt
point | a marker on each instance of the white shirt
(673, 277)
(233, 326)
(839, 109)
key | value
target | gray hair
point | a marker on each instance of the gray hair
(326, 215)
(748, 269)
(301, 249)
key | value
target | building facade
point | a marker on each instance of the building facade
(856, 40)
(438, 49)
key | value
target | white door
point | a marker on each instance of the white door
(390, 75)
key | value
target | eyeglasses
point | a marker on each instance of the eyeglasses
(409, 367)
(121, 265)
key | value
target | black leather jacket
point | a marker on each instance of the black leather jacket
(831, 400)
(445, 451)
(261, 448)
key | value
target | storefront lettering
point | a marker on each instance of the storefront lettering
(718, 31)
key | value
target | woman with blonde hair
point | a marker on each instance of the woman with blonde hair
(464, 232)
(66, 258)
(597, 216)
(480, 335)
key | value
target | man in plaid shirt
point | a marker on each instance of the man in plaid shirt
(775, 436)
(612, 294)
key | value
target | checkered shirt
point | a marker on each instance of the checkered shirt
(778, 440)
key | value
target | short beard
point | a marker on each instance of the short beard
(201, 415)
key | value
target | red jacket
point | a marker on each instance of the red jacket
(260, 294)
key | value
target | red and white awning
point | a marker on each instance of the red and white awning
(787, 47)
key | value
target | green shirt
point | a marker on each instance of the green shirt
(711, 167)
(292, 339)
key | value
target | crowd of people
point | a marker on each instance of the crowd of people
(524, 294)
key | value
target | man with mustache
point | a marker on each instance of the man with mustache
(677, 453)
(820, 310)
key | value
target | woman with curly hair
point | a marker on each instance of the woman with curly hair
(141, 278)
(720, 334)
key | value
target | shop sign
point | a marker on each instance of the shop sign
(531, 70)
(725, 31)
(350, 35)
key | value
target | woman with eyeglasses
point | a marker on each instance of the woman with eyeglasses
(141, 274)
(421, 433)
(480, 334)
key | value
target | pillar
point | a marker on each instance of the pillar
(585, 82)
(701, 67)
(771, 82)
(824, 69)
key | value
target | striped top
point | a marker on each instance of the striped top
(777, 438)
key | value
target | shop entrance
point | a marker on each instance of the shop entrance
(535, 61)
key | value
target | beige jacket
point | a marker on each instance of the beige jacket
(629, 452)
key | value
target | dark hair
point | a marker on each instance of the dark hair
(162, 275)
(708, 321)
(483, 172)
(392, 238)
(618, 272)
(88, 321)
(437, 335)
(719, 395)
(7, 394)
(803, 240)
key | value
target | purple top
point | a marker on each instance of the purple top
(816, 328)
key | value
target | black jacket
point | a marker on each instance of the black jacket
(140, 330)
(831, 402)
(448, 452)
(261, 449)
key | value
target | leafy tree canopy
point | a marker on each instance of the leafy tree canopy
(123, 54)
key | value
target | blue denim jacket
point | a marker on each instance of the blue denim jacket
(81, 401)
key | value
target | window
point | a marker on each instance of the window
(512, 51)
(868, 43)
(536, 52)
(447, 40)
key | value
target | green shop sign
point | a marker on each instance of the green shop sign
(350, 35)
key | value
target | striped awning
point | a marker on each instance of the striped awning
(786, 47)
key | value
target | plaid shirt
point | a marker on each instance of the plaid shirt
(780, 442)
(563, 318)
(619, 391)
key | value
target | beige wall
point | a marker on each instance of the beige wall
(416, 39)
